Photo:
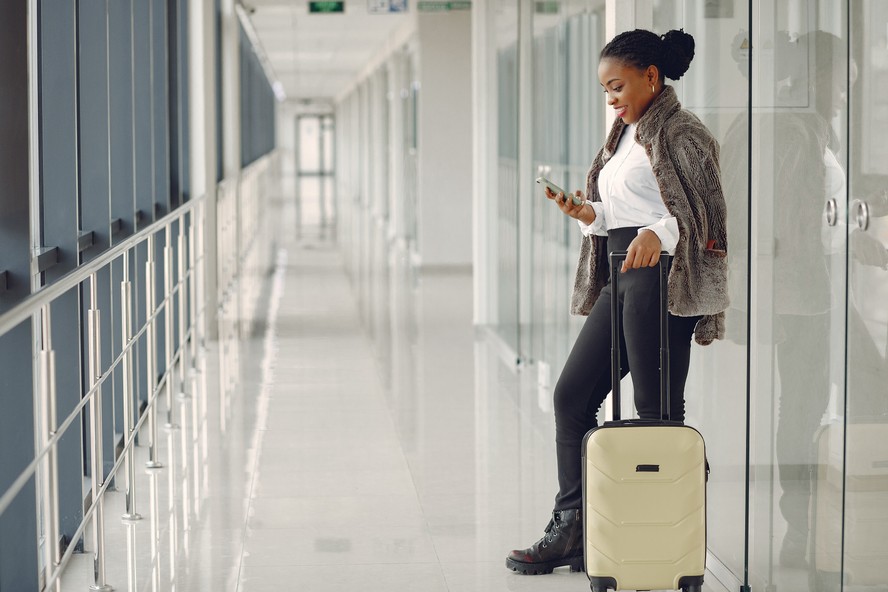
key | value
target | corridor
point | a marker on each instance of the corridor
(336, 459)
(283, 307)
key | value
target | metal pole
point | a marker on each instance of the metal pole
(126, 365)
(48, 421)
(182, 283)
(97, 476)
(201, 262)
(168, 324)
(194, 287)
(154, 527)
(151, 366)
(131, 560)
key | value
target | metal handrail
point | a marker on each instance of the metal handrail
(7, 498)
(181, 283)
(35, 308)
(32, 304)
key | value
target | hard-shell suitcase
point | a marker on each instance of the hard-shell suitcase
(644, 487)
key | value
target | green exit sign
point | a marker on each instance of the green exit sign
(326, 7)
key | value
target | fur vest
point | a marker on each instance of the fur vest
(684, 158)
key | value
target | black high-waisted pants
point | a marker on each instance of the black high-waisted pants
(585, 380)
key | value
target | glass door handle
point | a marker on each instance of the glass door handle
(861, 214)
(832, 212)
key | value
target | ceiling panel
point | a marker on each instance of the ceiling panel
(317, 56)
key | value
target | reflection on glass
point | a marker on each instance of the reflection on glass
(716, 89)
(811, 176)
(568, 127)
(866, 433)
(504, 236)
(799, 268)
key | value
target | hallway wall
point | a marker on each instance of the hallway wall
(445, 138)
(404, 147)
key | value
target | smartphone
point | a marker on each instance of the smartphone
(556, 190)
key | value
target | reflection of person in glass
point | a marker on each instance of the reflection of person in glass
(811, 76)
(654, 186)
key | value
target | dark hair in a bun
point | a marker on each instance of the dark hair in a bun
(670, 53)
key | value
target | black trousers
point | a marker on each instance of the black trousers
(585, 380)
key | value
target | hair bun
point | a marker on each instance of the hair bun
(678, 52)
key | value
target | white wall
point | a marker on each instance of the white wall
(202, 119)
(445, 138)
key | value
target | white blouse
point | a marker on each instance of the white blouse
(630, 196)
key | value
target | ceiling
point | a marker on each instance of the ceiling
(317, 56)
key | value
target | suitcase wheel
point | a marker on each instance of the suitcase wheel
(600, 584)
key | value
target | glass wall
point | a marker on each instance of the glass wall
(799, 139)
(715, 88)
(18, 562)
(257, 103)
(315, 169)
(568, 129)
(865, 553)
(375, 193)
(793, 401)
(503, 237)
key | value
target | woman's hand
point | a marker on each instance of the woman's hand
(644, 251)
(584, 213)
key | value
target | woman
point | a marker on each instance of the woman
(653, 187)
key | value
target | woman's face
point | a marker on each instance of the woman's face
(628, 88)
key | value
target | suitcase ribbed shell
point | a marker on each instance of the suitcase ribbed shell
(645, 505)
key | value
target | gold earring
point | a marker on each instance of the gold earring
(652, 89)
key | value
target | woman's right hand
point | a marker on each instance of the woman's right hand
(583, 212)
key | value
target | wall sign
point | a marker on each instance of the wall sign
(326, 7)
(435, 6)
(386, 6)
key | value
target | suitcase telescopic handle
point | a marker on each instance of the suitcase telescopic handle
(665, 398)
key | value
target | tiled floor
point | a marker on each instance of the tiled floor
(373, 441)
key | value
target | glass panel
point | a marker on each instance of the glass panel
(504, 235)
(309, 141)
(866, 436)
(716, 89)
(568, 129)
(799, 150)
(328, 139)
(411, 156)
(381, 144)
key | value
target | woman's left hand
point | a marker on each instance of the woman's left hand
(644, 251)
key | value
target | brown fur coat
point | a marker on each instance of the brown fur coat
(684, 158)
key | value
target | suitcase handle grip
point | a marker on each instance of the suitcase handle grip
(665, 398)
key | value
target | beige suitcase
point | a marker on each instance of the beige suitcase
(644, 492)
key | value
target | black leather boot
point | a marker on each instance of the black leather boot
(562, 545)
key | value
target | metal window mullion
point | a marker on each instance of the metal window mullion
(45, 503)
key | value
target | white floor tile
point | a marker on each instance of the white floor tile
(494, 577)
(343, 578)
(344, 544)
(318, 510)
(338, 481)
(394, 453)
